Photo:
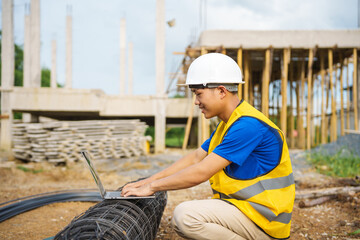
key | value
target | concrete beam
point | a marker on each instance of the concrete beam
(37, 100)
(257, 39)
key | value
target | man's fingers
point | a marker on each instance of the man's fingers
(126, 192)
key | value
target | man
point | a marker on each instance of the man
(246, 160)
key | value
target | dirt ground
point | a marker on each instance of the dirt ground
(334, 219)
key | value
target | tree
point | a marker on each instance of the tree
(19, 72)
(19, 68)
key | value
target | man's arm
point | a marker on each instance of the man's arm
(185, 178)
(184, 162)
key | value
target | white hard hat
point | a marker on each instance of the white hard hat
(213, 69)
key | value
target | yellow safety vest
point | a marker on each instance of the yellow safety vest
(267, 199)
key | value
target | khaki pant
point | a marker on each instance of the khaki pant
(214, 219)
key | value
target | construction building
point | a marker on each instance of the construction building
(305, 81)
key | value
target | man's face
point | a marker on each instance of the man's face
(207, 100)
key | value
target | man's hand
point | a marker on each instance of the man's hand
(140, 191)
(138, 183)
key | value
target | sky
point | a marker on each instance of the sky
(96, 31)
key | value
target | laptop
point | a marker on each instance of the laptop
(104, 194)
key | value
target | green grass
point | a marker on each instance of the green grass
(25, 169)
(355, 232)
(338, 165)
(174, 142)
(175, 137)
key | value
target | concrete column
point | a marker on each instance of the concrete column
(160, 118)
(130, 69)
(35, 68)
(68, 74)
(27, 51)
(7, 74)
(160, 125)
(122, 55)
(53, 80)
(27, 82)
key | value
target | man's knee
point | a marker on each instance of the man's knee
(184, 220)
(180, 214)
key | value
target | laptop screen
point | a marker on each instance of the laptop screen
(94, 173)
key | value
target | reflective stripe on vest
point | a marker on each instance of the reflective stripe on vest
(259, 187)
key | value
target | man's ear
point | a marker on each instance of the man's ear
(222, 90)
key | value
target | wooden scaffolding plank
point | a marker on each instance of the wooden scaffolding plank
(246, 76)
(251, 86)
(347, 95)
(323, 117)
(328, 92)
(240, 63)
(204, 124)
(284, 83)
(333, 125)
(355, 93)
(292, 122)
(309, 102)
(301, 106)
(342, 124)
(318, 104)
(265, 83)
(313, 106)
(188, 123)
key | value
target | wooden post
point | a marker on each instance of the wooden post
(342, 125)
(265, 83)
(313, 110)
(309, 102)
(246, 76)
(204, 124)
(327, 91)
(251, 87)
(355, 91)
(319, 102)
(301, 106)
(323, 118)
(284, 83)
(278, 108)
(298, 110)
(292, 122)
(188, 123)
(239, 62)
(347, 95)
(333, 106)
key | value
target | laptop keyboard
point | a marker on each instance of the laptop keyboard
(113, 194)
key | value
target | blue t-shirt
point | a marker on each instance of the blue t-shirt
(253, 147)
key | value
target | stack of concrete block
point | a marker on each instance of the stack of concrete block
(62, 141)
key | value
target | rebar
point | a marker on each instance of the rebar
(118, 219)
